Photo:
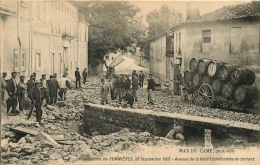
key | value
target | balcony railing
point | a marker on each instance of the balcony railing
(8, 6)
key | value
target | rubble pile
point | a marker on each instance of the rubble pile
(164, 102)
(42, 148)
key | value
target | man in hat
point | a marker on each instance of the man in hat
(104, 92)
(112, 81)
(135, 87)
(34, 76)
(85, 75)
(3, 86)
(57, 87)
(134, 74)
(11, 88)
(78, 77)
(127, 85)
(141, 79)
(45, 89)
(21, 93)
(36, 94)
(52, 89)
(150, 88)
(177, 89)
(30, 84)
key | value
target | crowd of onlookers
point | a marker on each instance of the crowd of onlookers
(13, 92)
(122, 88)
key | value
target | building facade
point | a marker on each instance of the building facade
(42, 37)
(161, 57)
(230, 34)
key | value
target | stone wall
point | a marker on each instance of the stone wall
(107, 119)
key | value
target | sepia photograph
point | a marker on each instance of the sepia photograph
(128, 82)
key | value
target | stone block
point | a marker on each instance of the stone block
(44, 136)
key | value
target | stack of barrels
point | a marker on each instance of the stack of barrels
(228, 81)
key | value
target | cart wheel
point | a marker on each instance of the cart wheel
(206, 95)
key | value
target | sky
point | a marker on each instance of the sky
(180, 5)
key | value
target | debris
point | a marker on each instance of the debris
(43, 136)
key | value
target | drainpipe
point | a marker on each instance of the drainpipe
(18, 36)
(30, 39)
(50, 37)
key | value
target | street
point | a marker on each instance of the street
(57, 122)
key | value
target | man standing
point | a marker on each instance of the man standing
(150, 89)
(141, 79)
(85, 75)
(112, 81)
(34, 74)
(36, 94)
(134, 87)
(177, 89)
(3, 86)
(21, 93)
(45, 90)
(63, 83)
(30, 85)
(127, 84)
(104, 91)
(11, 88)
(134, 74)
(57, 87)
(52, 89)
(78, 77)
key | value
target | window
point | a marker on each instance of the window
(38, 60)
(16, 58)
(23, 59)
(236, 40)
(206, 36)
(60, 63)
(179, 43)
(52, 62)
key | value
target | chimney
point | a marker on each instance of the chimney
(255, 5)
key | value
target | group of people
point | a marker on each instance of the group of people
(78, 77)
(123, 88)
(37, 90)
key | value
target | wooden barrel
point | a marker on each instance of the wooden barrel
(196, 80)
(228, 90)
(217, 86)
(242, 76)
(203, 66)
(214, 67)
(206, 79)
(245, 94)
(187, 75)
(224, 72)
(194, 62)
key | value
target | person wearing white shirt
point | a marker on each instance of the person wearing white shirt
(64, 84)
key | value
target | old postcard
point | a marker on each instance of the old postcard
(130, 82)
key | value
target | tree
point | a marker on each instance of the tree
(113, 26)
(159, 22)
(162, 20)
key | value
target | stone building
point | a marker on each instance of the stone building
(230, 34)
(161, 54)
(42, 36)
